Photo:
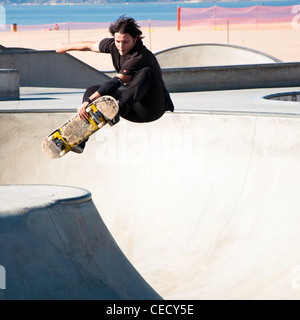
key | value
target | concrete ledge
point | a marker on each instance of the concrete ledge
(10, 84)
(232, 77)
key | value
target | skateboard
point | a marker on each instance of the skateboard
(73, 132)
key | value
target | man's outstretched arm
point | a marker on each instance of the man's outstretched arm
(78, 46)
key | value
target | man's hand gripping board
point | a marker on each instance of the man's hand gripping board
(73, 132)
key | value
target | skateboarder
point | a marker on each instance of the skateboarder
(143, 96)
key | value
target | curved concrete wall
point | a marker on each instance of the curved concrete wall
(55, 246)
(202, 55)
(204, 206)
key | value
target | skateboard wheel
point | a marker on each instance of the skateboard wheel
(101, 124)
(61, 154)
(50, 138)
(88, 109)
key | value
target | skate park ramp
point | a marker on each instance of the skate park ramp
(208, 54)
(55, 246)
(204, 204)
(46, 68)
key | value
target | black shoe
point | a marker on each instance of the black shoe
(79, 149)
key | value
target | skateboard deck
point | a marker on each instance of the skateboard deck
(73, 132)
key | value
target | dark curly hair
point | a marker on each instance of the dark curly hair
(126, 25)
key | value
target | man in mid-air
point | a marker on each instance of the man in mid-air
(145, 97)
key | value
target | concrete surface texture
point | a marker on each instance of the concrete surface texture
(208, 54)
(50, 69)
(54, 245)
(270, 75)
(9, 84)
(203, 204)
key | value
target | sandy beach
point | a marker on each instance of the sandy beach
(284, 44)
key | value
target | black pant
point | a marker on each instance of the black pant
(142, 101)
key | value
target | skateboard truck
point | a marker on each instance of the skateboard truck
(97, 115)
(59, 142)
